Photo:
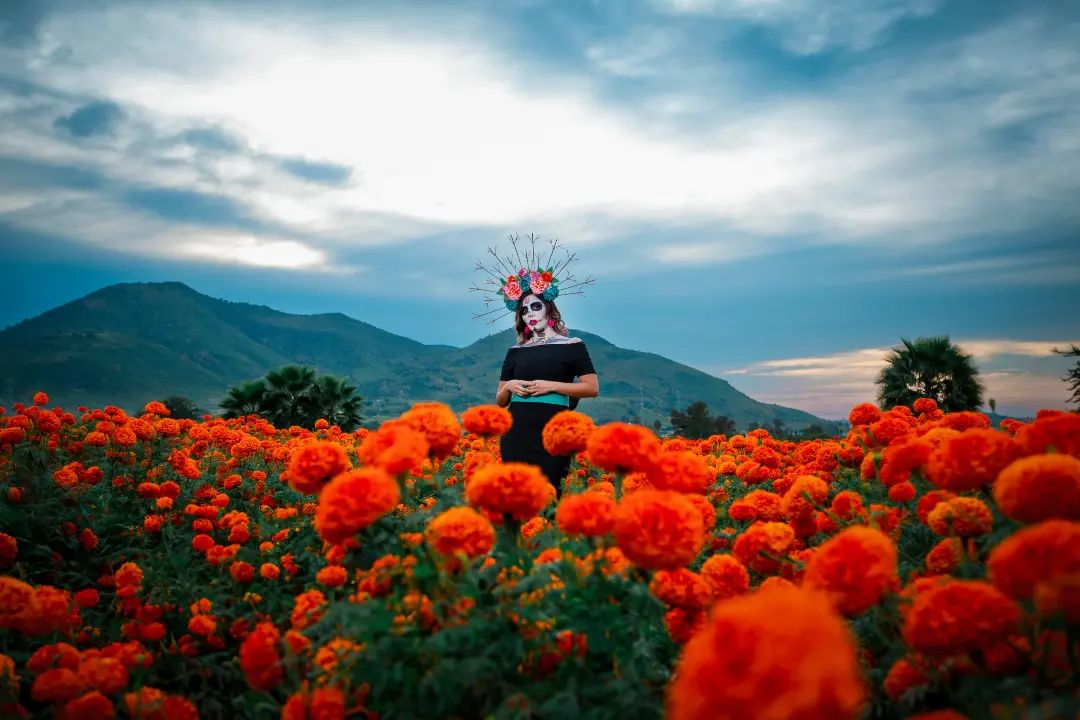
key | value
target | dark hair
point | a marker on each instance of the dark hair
(523, 332)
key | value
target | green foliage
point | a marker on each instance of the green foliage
(182, 408)
(696, 422)
(294, 395)
(1072, 377)
(931, 368)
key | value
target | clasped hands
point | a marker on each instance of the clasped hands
(528, 388)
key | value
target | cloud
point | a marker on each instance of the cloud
(808, 27)
(318, 172)
(253, 251)
(451, 130)
(92, 119)
(186, 206)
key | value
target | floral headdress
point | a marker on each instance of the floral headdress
(525, 272)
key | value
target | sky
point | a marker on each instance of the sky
(773, 191)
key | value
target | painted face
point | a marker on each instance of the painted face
(534, 313)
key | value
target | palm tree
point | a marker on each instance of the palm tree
(933, 368)
(287, 394)
(1072, 377)
(334, 399)
(246, 399)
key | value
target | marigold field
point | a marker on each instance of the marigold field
(924, 566)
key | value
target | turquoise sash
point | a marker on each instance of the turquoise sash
(548, 399)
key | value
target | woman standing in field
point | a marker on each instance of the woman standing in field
(547, 371)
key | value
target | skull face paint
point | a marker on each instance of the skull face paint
(534, 313)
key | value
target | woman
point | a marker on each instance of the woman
(538, 381)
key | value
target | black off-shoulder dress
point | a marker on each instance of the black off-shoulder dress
(562, 360)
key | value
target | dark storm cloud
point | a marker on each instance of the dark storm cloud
(92, 119)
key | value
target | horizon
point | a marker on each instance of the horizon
(843, 418)
(772, 193)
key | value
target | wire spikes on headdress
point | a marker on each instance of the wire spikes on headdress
(526, 271)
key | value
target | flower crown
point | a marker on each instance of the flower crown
(526, 273)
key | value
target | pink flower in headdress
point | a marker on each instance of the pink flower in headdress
(537, 283)
(512, 290)
(523, 273)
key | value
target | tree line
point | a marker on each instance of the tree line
(292, 395)
(926, 367)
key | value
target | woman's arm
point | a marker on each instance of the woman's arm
(587, 386)
(508, 388)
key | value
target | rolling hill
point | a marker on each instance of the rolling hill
(129, 343)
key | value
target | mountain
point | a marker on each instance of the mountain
(129, 343)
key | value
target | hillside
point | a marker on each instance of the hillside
(129, 343)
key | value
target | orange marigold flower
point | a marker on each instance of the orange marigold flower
(758, 505)
(681, 588)
(57, 686)
(929, 501)
(104, 673)
(395, 447)
(567, 432)
(864, 414)
(924, 405)
(91, 705)
(658, 529)
(438, 423)
(515, 489)
(332, 576)
(902, 492)
(962, 516)
(705, 507)
(1040, 487)
(945, 557)
(1040, 557)
(487, 420)
(903, 676)
(9, 548)
(959, 616)
(259, 658)
(354, 500)
(204, 625)
(156, 407)
(804, 496)
(762, 546)
(1059, 433)
(308, 609)
(241, 571)
(326, 703)
(40, 398)
(51, 656)
(780, 653)
(329, 655)
(856, 567)
(726, 576)
(148, 703)
(622, 447)
(889, 428)
(87, 598)
(589, 513)
(682, 471)
(313, 464)
(460, 530)
(971, 459)
(269, 571)
(847, 505)
(900, 458)
(965, 420)
(682, 624)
